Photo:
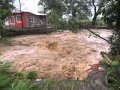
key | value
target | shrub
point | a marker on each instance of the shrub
(5, 81)
(113, 73)
(5, 76)
(15, 81)
(31, 75)
(22, 85)
(73, 25)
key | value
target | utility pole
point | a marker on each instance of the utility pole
(21, 12)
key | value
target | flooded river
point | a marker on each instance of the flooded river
(62, 55)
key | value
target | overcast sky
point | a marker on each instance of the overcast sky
(28, 5)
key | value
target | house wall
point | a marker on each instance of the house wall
(37, 20)
(18, 24)
(7, 23)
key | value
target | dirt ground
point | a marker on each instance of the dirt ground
(62, 55)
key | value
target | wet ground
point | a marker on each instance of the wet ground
(62, 55)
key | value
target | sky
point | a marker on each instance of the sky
(28, 5)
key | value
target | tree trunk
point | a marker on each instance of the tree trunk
(98, 36)
(95, 13)
(94, 19)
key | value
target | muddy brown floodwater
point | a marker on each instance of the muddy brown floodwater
(62, 55)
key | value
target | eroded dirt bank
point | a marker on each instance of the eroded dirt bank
(59, 55)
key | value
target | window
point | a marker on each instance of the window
(18, 18)
(31, 19)
(12, 19)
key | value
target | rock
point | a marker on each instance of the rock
(37, 80)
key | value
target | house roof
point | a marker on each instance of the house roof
(39, 14)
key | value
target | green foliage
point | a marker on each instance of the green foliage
(72, 9)
(112, 77)
(6, 33)
(22, 85)
(5, 76)
(25, 85)
(51, 84)
(97, 4)
(15, 81)
(5, 81)
(113, 72)
(6, 7)
(101, 23)
(73, 25)
(77, 9)
(115, 44)
(30, 75)
(111, 13)
(53, 5)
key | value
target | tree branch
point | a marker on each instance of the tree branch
(98, 36)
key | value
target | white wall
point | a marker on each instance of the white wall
(7, 23)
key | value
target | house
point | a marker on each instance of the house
(26, 19)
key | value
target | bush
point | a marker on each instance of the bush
(113, 73)
(15, 81)
(22, 85)
(7, 32)
(73, 25)
(30, 75)
(115, 45)
(5, 81)
(5, 76)
(113, 78)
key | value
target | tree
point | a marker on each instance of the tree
(97, 5)
(111, 13)
(55, 9)
(73, 9)
(77, 9)
(6, 7)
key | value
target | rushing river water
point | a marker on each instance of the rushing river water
(62, 55)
